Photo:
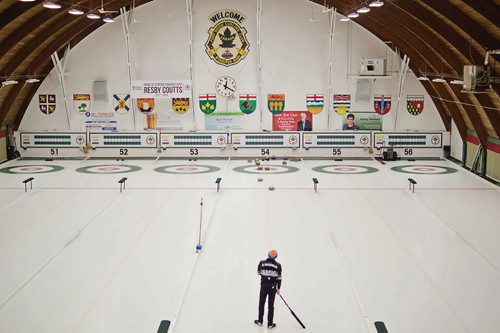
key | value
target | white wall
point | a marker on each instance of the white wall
(457, 144)
(294, 53)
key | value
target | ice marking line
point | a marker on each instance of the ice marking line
(51, 259)
(336, 243)
(196, 257)
(122, 262)
(450, 229)
(420, 268)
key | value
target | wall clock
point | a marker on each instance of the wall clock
(225, 86)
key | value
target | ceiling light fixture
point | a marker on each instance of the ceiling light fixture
(108, 19)
(353, 15)
(51, 5)
(27, 0)
(93, 16)
(439, 80)
(363, 10)
(376, 3)
(457, 82)
(75, 11)
(9, 82)
(423, 78)
(32, 80)
(345, 19)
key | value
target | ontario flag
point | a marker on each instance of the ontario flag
(382, 104)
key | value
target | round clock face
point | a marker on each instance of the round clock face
(225, 86)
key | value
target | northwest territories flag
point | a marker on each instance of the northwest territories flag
(382, 104)
(315, 103)
(415, 104)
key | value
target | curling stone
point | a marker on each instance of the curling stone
(260, 168)
(267, 168)
(284, 162)
(271, 188)
(260, 179)
(273, 157)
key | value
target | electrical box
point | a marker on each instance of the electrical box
(476, 77)
(370, 67)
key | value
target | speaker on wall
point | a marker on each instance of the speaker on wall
(100, 91)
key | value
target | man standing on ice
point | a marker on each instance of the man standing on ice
(270, 284)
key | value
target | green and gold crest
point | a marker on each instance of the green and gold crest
(227, 43)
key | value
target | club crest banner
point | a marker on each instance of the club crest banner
(382, 104)
(47, 103)
(227, 44)
(315, 103)
(121, 103)
(161, 89)
(81, 103)
(341, 103)
(276, 103)
(248, 103)
(180, 105)
(415, 104)
(208, 103)
(146, 105)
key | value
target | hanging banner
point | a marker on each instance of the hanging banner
(81, 103)
(161, 89)
(227, 44)
(208, 103)
(293, 121)
(121, 103)
(248, 103)
(180, 105)
(382, 104)
(276, 103)
(315, 103)
(415, 104)
(341, 103)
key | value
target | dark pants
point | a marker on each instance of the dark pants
(267, 291)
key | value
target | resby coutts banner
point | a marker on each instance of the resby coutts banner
(161, 89)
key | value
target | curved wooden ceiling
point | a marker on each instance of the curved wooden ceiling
(440, 37)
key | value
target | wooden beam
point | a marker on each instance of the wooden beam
(14, 11)
(487, 8)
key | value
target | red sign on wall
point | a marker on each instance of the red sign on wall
(292, 121)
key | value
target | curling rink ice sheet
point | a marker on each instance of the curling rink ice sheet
(76, 255)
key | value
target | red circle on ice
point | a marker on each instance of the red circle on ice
(344, 169)
(108, 169)
(187, 169)
(424, 169)
(30, 169)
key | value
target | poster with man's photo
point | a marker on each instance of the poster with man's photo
(293, 121)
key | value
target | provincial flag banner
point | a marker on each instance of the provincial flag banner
(81, 103)
(382, 104)
(341, 103)
(47, 103)
(121, 103)
(146, 105)
(248, 103)
(180, 105)
(415, 104)
(315, 103)
(208, 103)
(276, 103)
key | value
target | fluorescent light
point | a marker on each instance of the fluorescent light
(345, 19)
(108, 19)
(423, 78)
(363, 10)
(9, 82)
(75, 11)
(27, 0)
(438, 80)
(457, 82)
(376, 3)
(93, 16)
(353, 15)
(51, 5)
(32, 80)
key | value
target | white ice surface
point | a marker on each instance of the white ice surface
(76, 255)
